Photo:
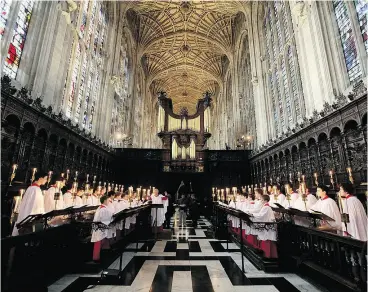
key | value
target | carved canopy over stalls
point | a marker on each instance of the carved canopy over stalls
(184, 46)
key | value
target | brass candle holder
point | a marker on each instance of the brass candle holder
(12, 176)
(350, 173)
(315, 175)
(49, 178)
(34, 170)
(331, 172)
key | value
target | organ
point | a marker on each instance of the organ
(184, 136)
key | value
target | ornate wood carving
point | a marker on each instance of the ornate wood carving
(335, 142)
(35, 136)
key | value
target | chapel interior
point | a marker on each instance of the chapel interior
(184, 145)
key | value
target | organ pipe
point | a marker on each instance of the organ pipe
(174, 149)
(192, 150)
(161, 119)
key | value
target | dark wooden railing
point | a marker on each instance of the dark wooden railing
(340, 258)
(33, 261)
(337, 262)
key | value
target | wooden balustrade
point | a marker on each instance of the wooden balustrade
(341, 259)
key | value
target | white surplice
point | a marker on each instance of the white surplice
(103, 214)
(165, 201)
(329, 207)
(234, 220)
(32, 203)
(122, 205)
(160, 211)
(300, 205)
(68, 199)
(77, 202)
(357, 226)
(276, 199)
(290, 203)
(49, 201)
(264, 215)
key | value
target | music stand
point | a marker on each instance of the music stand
(122, 215)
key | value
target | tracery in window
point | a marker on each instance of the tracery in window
(5, 8)
(282, 61)
(73, 81)
(361, 7)
(18, 40)
(86, 84)
(347, 40)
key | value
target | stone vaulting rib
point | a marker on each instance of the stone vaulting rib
(184, 46)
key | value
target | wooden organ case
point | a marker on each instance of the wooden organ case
(183, 136)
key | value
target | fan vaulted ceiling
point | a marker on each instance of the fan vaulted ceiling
(184, 46)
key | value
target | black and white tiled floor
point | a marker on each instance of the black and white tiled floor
(190, 261)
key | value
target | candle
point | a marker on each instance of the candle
(62, 174)
(58, 183)
(67, 174)
(12, 176)
(331, 176)
(350, 173)
(87, 177)
(316, 178)
(303, 178)
(87, 187)
(94, 178)
(76, 173)
(213, 190)
(74, 189)
(303, 188)
(34, 170)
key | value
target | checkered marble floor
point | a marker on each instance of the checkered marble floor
(190, 261)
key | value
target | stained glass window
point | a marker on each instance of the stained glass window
(276, 8)
(282, 62)
(91, 23)
(286, 91)
(73, 81)
(279, 99)
(83, 23)
(92, 31)
(5, 7)
(272, 91)
(88, 96)
(285, 21)
(362, 12)
(294, 88)
(348, 40)
(82, 85)
(19, 37)
(94, 100)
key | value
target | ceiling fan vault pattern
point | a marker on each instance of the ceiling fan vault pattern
(184, 46)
